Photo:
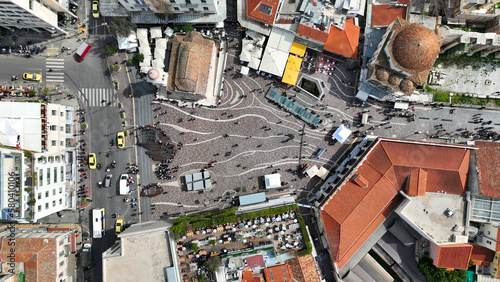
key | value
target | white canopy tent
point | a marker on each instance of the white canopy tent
(251, 53)
(155, 32)
(315, 171)
(142, 36)
(342, 133)
(160, 49)
(401, 105)
(129, 42)
(276, 52)
(273, 61)
(10, 130)
(244, 70)
(272, 180)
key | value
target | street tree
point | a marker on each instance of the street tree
(122, 26)
(213, 263)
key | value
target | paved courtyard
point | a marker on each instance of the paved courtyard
(481, 80)
(247, 137)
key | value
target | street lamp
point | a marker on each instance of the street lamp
(105, 24)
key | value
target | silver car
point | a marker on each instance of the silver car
(107, 180)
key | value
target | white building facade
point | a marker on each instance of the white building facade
(36, 15)
(37, 172)
(194, 7)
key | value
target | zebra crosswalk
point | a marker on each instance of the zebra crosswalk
(57, 73)
(98, 97)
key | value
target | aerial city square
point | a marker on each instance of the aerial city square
(249, 140)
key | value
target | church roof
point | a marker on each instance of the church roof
(408, 54)
(190, 61)
(415, 47)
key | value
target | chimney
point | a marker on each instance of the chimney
(360, 180)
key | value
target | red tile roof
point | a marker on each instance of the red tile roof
(312, 33)
(352, 213)
(417, 184)
(488, 162)
(344, 42)
(481, 254)
(256, 261)
(279, 273)
(38, 255)
(454, 256)
(303, 269)
(383, 15)
(254, 10)
(247, 276)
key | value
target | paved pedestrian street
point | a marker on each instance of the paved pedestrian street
(247, 136)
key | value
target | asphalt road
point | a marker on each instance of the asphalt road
(17, 65)
(105, 122)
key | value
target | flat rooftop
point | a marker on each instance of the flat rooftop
(144, 257)
(428, 213)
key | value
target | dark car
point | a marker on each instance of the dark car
(5, 50)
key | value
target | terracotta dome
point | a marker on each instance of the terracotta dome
(407, 86)
(416, 47)
(381, 74)
(153, 74)
(394, 79)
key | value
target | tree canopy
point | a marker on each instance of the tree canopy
(122, 26)
(436, 274)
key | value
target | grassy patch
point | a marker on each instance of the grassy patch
(461, 98)
(219, 217)
(305, 235)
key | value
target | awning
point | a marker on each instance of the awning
(127, 42)
(298, 49)
(401, 105)
(362, 95)
(293, 63)
(342, 133)
(244, 70)
(272, 180)
(290, 77)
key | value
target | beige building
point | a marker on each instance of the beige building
(457, 42)
(143, 253)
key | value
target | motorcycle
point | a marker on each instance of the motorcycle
(108, 154)
(14, 78)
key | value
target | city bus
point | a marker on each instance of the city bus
(99, 222)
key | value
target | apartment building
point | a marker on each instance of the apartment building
(37, 171)
(175, 7)
(41, 253)
(39, 15)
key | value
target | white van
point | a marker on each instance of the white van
(124, 188)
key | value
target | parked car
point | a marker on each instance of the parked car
(95, 9)
(5, 50)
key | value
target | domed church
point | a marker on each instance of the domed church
(403, 57)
